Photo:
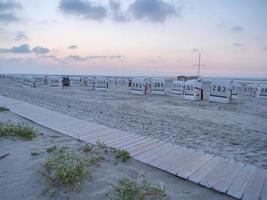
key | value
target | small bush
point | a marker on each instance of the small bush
(128, 189)
(23, 131)
(51, 149)
(87, 148)
(65, 167)
(3, 109)
(36, 152)
(122, 155)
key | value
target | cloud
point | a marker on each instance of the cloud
(40, 50)
(152, 10)
(83, 8)
(117, 14)
(76, 58)
(7, 9)
(73, 47)
(21, 36)
(8, 5)
(237, 29)
(238, 44)
(85, 58)
(25, 48)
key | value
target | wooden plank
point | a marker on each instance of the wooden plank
(122, 140)
(212, 177)
(182, 161)
(166, 161)
(194, 165)
(230, 173)
(141, 146)
(90, 138)
(125, 143)
(137, 144)
(238, 186)
(159, 155)
(255, 185)
(146, 148)
(264, 191)
(199, 174)
(152, 152)
(107, 137)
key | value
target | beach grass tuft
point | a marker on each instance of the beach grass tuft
(65, 167)
(20, 130)
(3, 109)
(88, 148)
(129, 189)
(122, 155)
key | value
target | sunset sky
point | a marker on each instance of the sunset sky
(134, 37)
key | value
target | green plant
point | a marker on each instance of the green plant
(128, 189)
(100, 145)
(36, 152)
(65, 167)
(20, 130)
(87, 148)
(3, 109)
(122, 155)
(51, 149)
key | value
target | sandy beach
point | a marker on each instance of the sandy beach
(21, 173)
(237, 130)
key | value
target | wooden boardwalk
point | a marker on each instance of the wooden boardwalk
(236, 179)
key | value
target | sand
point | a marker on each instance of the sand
(21, 177)
(237, 130)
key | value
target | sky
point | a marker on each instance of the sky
(134, 37)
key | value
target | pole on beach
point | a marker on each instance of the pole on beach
(199, 65)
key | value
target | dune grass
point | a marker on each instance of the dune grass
(65, 167)
(20, 130)
(129, 189)
(3, 109)
(122, 155)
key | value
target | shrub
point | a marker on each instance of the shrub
(3, 109)
(87, 148)
(122, 155)
(128, 189)
(36, 152)
(65, 167)
(20, 130)
(51, 149)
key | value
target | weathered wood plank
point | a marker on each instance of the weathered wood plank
(166, 161)
(152, 152)
(194, 165)
(199, 174)
(125, 143)
(137, 144)
(118, 140)
(182, 161)
(165, 150)
(255, 185)
(218, 171)
(146, 148)
(238, 186)
(228, 176)
(141, 146)
(264, 192)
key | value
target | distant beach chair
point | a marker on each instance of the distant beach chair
(100, 84)
(158, 86)
(138, 86)
(54, 81)
(193, 90)
(221, 91)
(178, 87)
(261, 91)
